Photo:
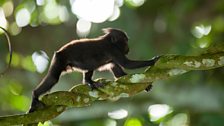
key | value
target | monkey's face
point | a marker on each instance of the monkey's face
(118, 38)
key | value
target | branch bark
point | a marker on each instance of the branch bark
(81, 95)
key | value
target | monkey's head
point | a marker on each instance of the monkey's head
(118, 38)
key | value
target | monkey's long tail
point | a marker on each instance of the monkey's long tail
(10, 51)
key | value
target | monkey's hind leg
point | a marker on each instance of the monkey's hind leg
(36, 104)
(52, 77)
(149, 87)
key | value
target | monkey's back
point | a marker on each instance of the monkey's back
(85, 54)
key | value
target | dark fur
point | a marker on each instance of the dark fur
(88, 55)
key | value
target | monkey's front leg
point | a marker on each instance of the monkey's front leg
(118, 71)
(87, 78)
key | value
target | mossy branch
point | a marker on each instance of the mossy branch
(81, 95)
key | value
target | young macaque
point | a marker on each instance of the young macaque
(88, 55)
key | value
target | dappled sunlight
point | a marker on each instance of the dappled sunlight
(5, 10)
(118, 114)
(23, 13)
(15, 29)
(53, 13)
(3, 21)
(8, 8)
(63, 14)
(158, 111)
(135, 3)
(133, 122)
(52, 10)
(110, 122)
(204, 42)
(188, 35)
(115, 14)
(83, 27)
(40, 59)
(96, 11)
(201, 30)
(40, 2)
(180, 119)
(23, 17)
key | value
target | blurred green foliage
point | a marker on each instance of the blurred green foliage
(154, 28)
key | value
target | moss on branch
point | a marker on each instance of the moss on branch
(129, 85)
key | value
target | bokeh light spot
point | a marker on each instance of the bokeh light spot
(40, 2)
(3, 21)
(133, 122)
(40, 60)
(204, 42)
(135, 3)
(83, 27)
(96, 11)
(180, 119)
(200, 31)
(110, 122)
(23, 17)
(158, 111)
(51, 9)
(8, 8)
(115, 14)
(15, 29)
(119, 2)
(118, 114)
(63, 13)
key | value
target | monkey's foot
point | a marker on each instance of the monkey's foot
(149, 88)
(36, 104)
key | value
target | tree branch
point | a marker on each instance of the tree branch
(126, 86)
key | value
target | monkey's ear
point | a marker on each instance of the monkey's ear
(107, 30)
(112, 34)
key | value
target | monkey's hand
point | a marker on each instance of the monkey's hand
(36, 104)
(156, 58)
(94, 85)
